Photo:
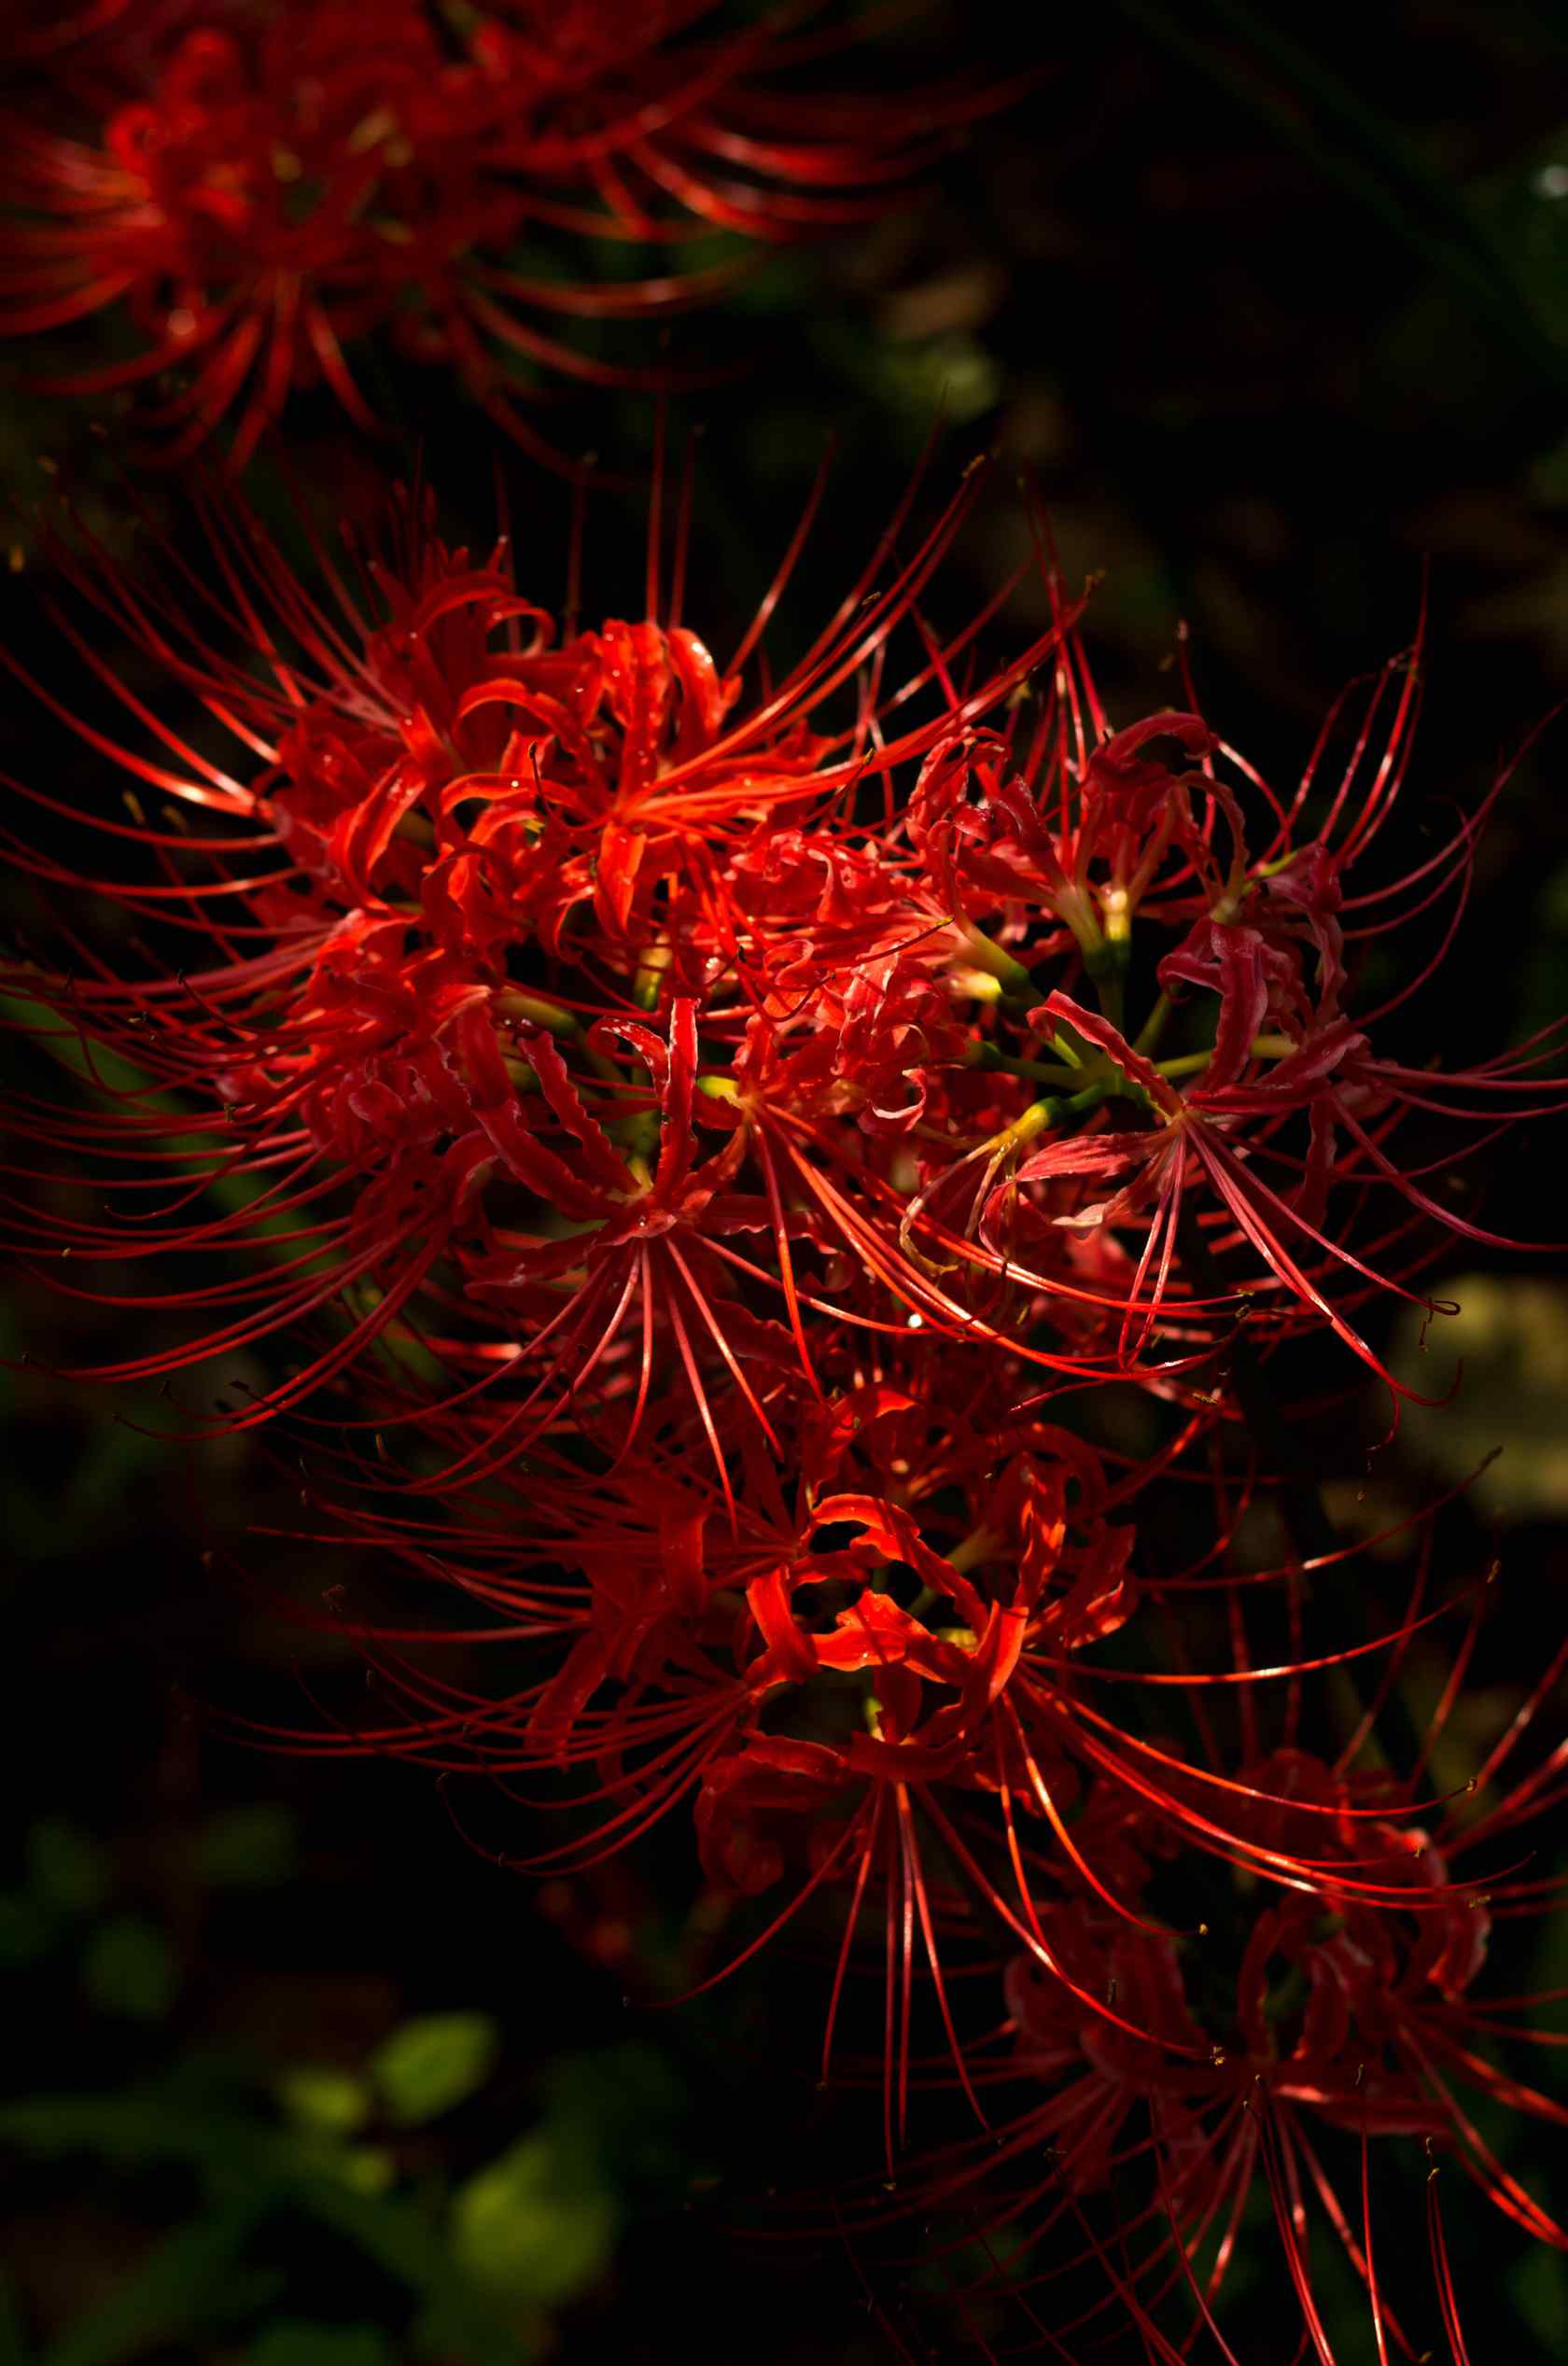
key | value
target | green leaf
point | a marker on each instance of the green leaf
(128, 1967)
(400, 2238)
(175, 2287)
(131, 2129)
(534, 2226)
(1511, 1334)
(368, 2168)
(952, 375)
(330, 2101)
(428, 2065)
(250, 1847)
(161, 2123)
(66, 1867)
(135, 2129)
(294, 2341)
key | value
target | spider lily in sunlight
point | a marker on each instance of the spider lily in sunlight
(1261, 1163)
(379, 1002)
(822, 1683)
(759, 1200)
(466, 876)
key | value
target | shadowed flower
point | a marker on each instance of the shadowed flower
(871, 1669)
(283, 180)
(1145, 2085)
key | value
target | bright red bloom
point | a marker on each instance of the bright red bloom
(612, 1021)
(444, 828)
(287, 178)
(1248, 1148)
(1343, 2014)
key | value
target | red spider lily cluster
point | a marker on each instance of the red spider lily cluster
(259, 186)
(717, 1138)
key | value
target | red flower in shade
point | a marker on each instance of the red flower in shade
(40, 41)
(873, 1678)
(826, 1686)
(285, 178)
(1175, 2075)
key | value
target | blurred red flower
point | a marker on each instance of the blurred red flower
(280, 180)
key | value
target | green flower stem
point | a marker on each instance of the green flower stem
(1263, 1047)
(638, 1134)
(977, 1547)
(536, 1011)
(1011, 974)
(1106, 962)
(1038, 1071)
(1155, 1024)
(651, 970)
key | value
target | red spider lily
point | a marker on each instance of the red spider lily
(284, 180)
(1249, 1087)
(1342, 2015)
(671, 1111)
(1350, 2007)
(838, 1698)
(469, 853)
(755, 1664)
(440, 829)
(1238, 1147)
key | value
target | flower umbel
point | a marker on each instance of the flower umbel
(763, 1170)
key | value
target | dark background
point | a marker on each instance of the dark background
(1273, 327)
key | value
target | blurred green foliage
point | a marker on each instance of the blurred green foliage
(1505, 1430)
(427, 2067)
(482, 2253)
